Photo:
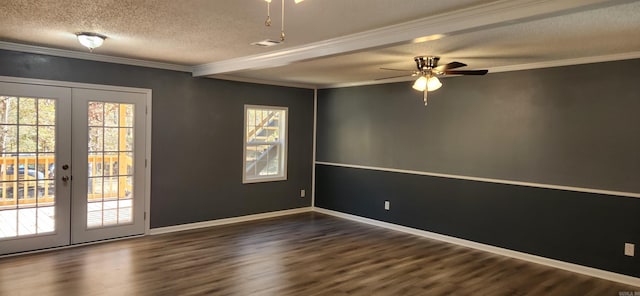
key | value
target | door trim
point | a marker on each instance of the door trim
(147, 152)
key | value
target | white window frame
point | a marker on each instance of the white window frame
(283, 143)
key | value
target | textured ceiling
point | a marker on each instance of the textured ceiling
(197, 32)
(200, 31)
(598, 32)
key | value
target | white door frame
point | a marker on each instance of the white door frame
(148, 95)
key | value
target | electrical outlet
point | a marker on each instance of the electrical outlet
(302, 193)
(629, 249)
(387, 205)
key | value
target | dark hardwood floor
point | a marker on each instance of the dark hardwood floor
(305, 254)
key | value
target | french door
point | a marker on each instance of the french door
(35, 140)
(108, 154)
(71, 165)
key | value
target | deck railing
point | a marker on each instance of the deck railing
(29, 180)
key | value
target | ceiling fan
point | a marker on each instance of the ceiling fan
(428, 72)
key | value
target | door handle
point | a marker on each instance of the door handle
(65, 178)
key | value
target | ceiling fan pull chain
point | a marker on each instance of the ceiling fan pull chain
(282, 29)
(425, 97)
(267, 22)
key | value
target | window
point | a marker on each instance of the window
(265, 144)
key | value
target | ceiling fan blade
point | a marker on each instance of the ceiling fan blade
(466, 72)
(394, 77)
(403, 70)
(452, 65)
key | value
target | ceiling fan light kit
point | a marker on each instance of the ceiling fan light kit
(433, 83)
(427, 83)
(420, 84)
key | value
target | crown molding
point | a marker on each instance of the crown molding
(568, 62)
(369, 82)
(460, 21)
(510, 68)
(91, 56)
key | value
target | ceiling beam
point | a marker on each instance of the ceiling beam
(497, 13)
(263, 81)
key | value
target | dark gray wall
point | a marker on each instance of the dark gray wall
(572, 126)
(196, 136)
(582, 228)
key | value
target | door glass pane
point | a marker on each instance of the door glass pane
(96, 114)
(96, 135)
(111, 115)
(110, 164)
(9, 138)
(46, 112)
(27, 163)
(111, 140)
(27, 138)
(109, 161)
(27, 110)
(46, 141)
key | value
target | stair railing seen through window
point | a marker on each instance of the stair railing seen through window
(265, 144)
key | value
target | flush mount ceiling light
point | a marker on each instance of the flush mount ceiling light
(91, 40)
(266, 43)
(267, 23)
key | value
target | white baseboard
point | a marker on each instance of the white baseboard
(607, 275)
(232, 220)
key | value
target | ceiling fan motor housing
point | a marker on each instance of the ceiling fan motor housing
(424, 63)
